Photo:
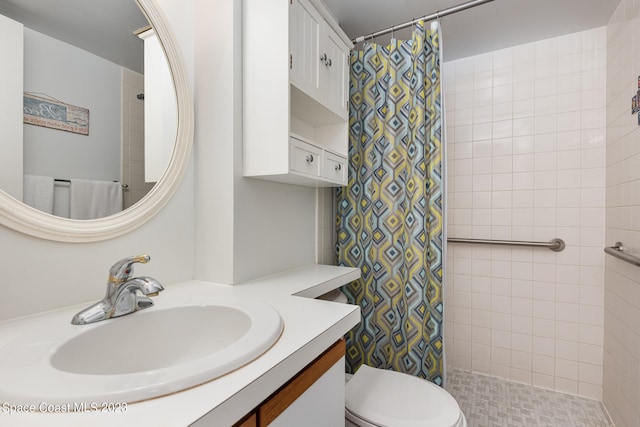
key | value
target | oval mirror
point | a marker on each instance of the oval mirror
(92, 129)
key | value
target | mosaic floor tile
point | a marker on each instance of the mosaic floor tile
(494, 402)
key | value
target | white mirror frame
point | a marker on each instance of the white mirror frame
(21, 217)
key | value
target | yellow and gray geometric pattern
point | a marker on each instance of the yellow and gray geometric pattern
(390, 218)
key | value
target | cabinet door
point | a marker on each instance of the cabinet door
(321, 405)
(313, 398)
(305, 23)
(337, 73)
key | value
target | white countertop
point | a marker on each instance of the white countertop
(310, 327)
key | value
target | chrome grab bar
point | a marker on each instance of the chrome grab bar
(618, 251)
(555, 245)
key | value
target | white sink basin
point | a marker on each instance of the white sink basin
(172, 346)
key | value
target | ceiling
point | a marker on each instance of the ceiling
(488, 27)
(491, 26)
(104, 28)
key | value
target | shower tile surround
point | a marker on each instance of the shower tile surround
(526, 161)
(621, 386)
(325, 225)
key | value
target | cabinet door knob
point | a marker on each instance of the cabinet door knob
(310, 158)
(323, 58)
(339, 167)
(328, 62)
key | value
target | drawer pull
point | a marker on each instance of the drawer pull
(310, 158)
(339, 167)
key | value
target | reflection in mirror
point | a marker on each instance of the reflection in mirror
(78, 93)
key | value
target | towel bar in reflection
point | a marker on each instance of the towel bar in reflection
(68, 181)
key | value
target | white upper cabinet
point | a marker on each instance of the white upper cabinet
(304, 44)
(336, 73)
(296, 61)
(318, 59)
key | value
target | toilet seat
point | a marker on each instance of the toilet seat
(377, 397)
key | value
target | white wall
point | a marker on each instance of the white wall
(11, 77)
(622, 281)
(41, 275)
(161, 114)
(246, 227)
(73, 76)
(526, 141)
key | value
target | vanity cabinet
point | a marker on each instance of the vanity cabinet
(296, 61)
(250, 421)
(314, 397)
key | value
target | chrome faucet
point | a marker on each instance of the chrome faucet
(121, 297)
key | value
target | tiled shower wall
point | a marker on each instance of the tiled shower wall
(526, 161)
(132, 173)
(325, 225)
(622, 296)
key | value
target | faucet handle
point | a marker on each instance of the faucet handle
(123, 269)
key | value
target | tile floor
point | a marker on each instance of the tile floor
(489, 402)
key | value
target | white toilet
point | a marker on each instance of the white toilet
(377, 397)
(382, 398)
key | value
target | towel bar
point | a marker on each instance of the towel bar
(618, 251)
(68, 181)
(555, 245)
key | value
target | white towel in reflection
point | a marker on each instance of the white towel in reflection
(37, 192)
(94, 199)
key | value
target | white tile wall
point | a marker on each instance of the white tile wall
(621, 388)
(526, 145)
(325, 225)
(132, 154)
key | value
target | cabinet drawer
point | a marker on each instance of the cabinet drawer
(305, 158)
(335, 168)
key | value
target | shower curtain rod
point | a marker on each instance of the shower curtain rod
(439, 14)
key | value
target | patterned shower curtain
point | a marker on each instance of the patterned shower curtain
(389, 220)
